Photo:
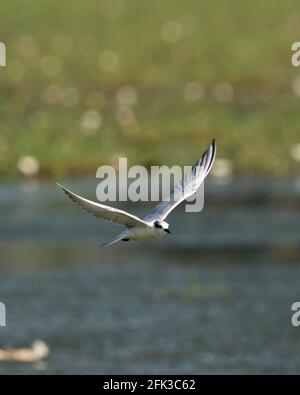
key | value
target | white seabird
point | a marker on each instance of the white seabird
(153, 224)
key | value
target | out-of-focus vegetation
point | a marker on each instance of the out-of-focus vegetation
(88, 81)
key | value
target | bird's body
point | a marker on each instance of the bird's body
(153, 225)
(37, 352)
(149, 232)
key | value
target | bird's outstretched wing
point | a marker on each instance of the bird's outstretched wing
(106, 212)
(186, 187)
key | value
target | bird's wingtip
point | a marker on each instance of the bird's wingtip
(59, 185)
(66, 191)
(214, 144)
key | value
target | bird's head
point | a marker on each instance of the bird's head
(162, 226)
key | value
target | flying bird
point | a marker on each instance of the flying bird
(153, 224)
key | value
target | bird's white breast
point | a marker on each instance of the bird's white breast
(144, 233)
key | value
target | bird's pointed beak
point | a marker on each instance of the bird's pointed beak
(168, 231)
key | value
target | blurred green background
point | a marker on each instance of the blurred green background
(87, 82)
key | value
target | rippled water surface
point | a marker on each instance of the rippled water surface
(214, 297)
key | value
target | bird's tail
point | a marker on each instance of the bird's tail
(113, 241)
